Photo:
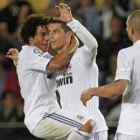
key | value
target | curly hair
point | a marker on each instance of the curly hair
(29, 26)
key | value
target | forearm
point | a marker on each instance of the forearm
(110, 90)
(63, 58)
(105, 91)
(84, 35)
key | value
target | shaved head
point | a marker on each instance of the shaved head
(134, 21)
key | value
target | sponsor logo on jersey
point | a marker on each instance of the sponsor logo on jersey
(64, 81)
(38, 52)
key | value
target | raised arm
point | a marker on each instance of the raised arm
(84, 35)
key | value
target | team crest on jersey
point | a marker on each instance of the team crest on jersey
(38, 52)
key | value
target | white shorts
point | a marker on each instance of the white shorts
(103, 135)
(59, 124)
(120, 136)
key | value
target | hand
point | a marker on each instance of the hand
(13, 54)
(86, 95)
(65, 13)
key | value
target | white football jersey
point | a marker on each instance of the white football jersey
(128, 67)
(81, 74)
(37, 89)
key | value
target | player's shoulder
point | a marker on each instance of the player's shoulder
(126, 50)
(32, 50)
(37, 51)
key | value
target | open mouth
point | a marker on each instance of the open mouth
(44, 47)
(52, 41)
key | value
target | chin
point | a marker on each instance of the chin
(53, 47)
(44, 49)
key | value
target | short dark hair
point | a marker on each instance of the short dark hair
(29, 26)
(63, 24)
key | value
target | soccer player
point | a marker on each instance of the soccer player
(35, 69)
(127, 83)
(81, 73)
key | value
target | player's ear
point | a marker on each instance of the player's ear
(69, 34)
(131, 31)
(30, 40)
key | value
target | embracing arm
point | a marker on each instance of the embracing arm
(62, 59)
(114, 89)
(59, 62)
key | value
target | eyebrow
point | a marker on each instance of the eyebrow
(43, 31)
(55, 30)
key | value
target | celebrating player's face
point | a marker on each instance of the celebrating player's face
(57, 36)
(41, 38)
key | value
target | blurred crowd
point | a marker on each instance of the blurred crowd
(105, 19)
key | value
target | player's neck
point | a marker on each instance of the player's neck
(136, 38)
(63, 48)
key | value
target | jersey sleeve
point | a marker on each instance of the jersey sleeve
(124, 66)
(90, 43)
(38, 60)
(84, 35)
